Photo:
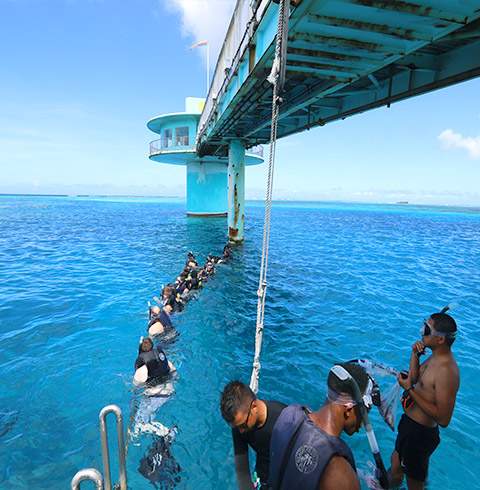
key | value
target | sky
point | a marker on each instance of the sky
(79, 79)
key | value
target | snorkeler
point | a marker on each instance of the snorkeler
(191, 262)
(429, 399)
(252, 421)
(159, 321)
(227, 255)
(171, 301)
(180, 284)
(214, 259)
(151, 364)
(193, 281)
(209, 270)
(306, 450)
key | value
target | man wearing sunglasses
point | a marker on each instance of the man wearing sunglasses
(429, 399)
(252, 421)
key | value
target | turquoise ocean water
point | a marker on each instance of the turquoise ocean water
(345, 281)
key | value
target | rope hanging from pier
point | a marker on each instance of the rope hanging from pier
(277, 78)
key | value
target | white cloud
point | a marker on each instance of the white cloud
(449, 139)
(204, 20)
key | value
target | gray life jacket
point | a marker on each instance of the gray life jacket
(300, 451)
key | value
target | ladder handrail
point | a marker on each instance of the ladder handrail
(121, 446)
(87, 474)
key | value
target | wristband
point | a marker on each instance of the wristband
(408, 389)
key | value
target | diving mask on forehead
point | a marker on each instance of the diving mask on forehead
(369, 398)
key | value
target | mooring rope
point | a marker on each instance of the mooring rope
(277, 73)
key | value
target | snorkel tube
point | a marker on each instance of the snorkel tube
(449, 307)
(149, 311)
(345, 376)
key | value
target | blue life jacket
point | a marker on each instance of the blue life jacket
(300, 451)
(163, 318)
(156, 363)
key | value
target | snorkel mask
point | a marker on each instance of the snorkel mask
(365, 401)
(369, 398)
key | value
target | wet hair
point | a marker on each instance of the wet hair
(146, 345)
(444, 323)
(357, 372)
(236, 396)
(183, 275)
(167, 290)
(187, 269)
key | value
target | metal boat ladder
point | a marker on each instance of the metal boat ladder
(94, 475)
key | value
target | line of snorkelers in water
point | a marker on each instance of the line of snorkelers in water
(151, 364)
(153, 371)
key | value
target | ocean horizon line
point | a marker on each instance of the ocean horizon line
(256, 199)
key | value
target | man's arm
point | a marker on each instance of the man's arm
(339, 474)
(446, 387)
(417, 348)
(242, 465)
(141, 375)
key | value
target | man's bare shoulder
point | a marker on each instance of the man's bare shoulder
(339, 474)
(447, 372)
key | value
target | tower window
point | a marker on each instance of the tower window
(181, 136)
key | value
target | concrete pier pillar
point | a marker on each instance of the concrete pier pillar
(236, 190)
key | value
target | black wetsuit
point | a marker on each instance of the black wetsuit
(259, 440)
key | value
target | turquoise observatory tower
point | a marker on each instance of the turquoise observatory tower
(215, 185)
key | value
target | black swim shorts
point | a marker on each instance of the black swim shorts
(415, 444)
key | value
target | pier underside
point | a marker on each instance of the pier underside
(344, 57)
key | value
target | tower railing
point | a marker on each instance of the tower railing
(179, 143)
(185, 143)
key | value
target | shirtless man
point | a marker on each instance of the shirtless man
(429, 399)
